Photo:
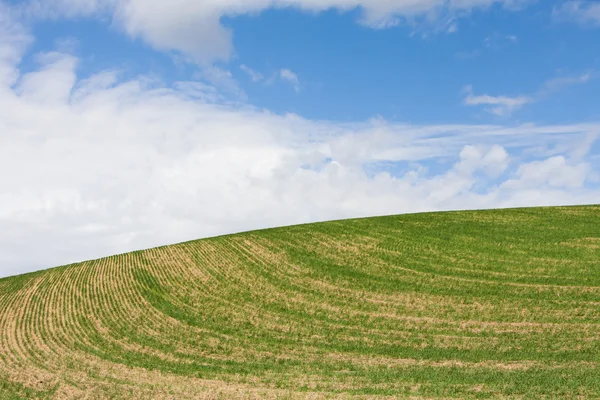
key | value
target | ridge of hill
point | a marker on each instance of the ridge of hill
(478, 304)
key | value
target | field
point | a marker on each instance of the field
(483, 304)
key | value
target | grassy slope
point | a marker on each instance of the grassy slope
(465, 304)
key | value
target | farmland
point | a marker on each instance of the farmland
(478, 304)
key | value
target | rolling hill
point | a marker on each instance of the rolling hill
(481, 304)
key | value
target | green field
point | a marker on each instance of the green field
(483, 304)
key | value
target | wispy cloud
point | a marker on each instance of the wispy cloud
(586, 13)
(290, 77)
(14, 39)
(491, 42)
(501, 106)
(562, 82)
(496, 40)
(254, 75)
(223, 80)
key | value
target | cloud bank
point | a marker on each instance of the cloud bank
(98, 165)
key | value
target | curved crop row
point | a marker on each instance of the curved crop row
(479, 304)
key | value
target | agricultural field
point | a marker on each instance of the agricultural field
(482, 304)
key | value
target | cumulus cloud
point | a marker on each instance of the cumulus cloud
(194, 28)
(553, 172)
(97, 165)
(108, 166)
(493, 161)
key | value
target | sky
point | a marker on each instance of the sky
(130, 124)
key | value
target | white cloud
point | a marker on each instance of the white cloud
(504, 106)
(52, 82)
(493, 161)
(490, 43)
(194, 27)
(290, 77)
(108, 166)
(14, 39)
(496, 40)
(222, 80)
(586, 13)
(553, 172)
(99, 165)
(561, 82)
(255, 76)
(499, 105)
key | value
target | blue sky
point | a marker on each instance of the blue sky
(130, 124)
(349, 71)
(352, 72)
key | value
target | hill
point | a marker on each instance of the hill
(482, 304)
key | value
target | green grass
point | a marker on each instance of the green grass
(482, 304)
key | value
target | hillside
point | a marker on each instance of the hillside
(502, 303)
